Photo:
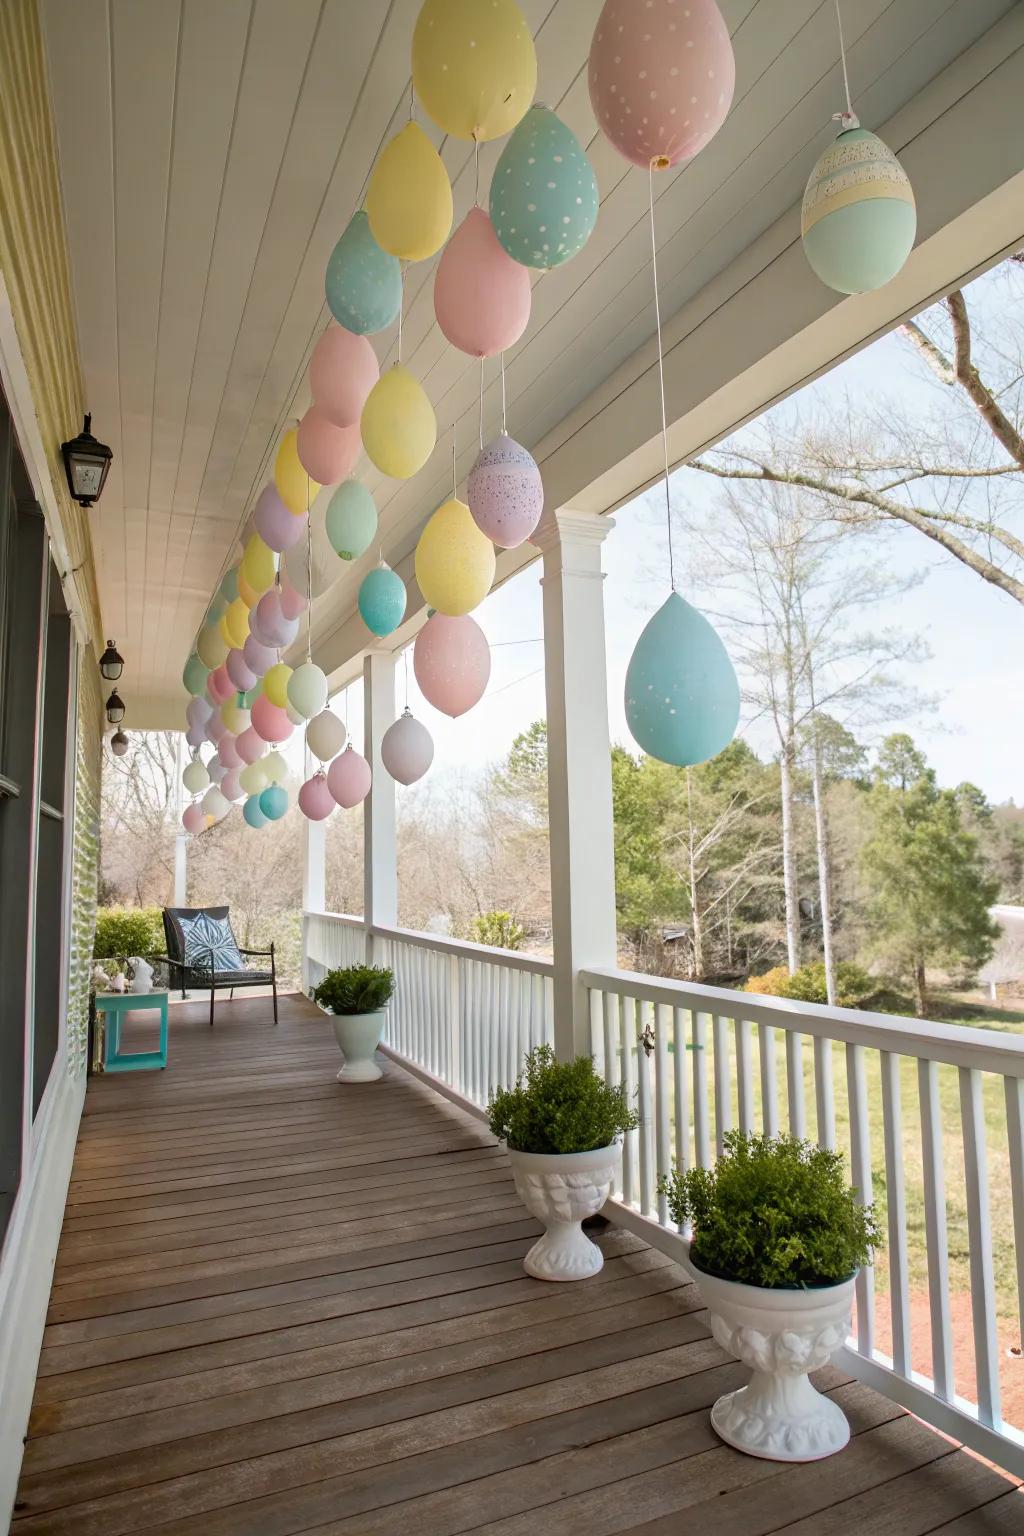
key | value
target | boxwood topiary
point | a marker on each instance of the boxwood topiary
(559, 1106)
(773, 1212)
(355, 989)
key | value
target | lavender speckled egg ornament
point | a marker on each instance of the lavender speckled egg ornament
(505, 492)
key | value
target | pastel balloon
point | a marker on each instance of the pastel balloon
(315, 799)
(307, 690)
(239, 671)
(253, 815)
(250, 597)
(236, 623)
(351, 520)
(198, 710)
(270, 721)
(474, 66)
(314, 562)
(661, 88)
(292, 482)
(544, 198)
(216, 730)
(249, 745)
(193, 819)
(230, 787)
(253, 777)
(505, 492)
(481, 296)
(342, 371)
(211, 646)
(215, 768)
(348, 778)
(407, 748)
(270, 624)
(195, 672)
(858, 217)
(325, 735)
(195, 735)
(217, 609)
(195, 776)
(409, 198)
(215, 804)
(275, 767)
(398, 424)
(454, 560)
(326, 451)
(219, 684)
(258, 658)
(382, 600)
(452, 663)
(228, 753)
(234, 714)
(277, 525)
(274, 802)
(275, 684)
(258, 566)
(294, 716)
(228, 588)
(682, 696)
(293, 602)
(363, 283)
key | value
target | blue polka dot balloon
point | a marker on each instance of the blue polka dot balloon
(544, 196)
(363, 283)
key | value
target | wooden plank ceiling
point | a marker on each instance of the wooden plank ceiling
(212, 151)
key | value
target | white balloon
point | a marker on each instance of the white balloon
(195, 777)
(307, 690)
(407, 749)
(325, 735)
(215, 804)
(275, 767)
(216, 769)
(325, 561)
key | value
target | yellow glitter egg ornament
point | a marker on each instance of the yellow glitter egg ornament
(398, 425)
(454, 560)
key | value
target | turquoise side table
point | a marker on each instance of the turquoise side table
(114, 1005)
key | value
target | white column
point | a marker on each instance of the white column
(579, 765)
(314, 867)
(181, 836)
(380, 873)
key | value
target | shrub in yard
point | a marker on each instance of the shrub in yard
(559, 1106)
(128, 931)
(355, 989)
(771, 984)
(807, 985)
(498, 929)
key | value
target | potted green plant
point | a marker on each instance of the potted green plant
(561, 1123)
(356, 997)
(778, 1239)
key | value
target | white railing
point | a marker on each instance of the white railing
(930, 1117)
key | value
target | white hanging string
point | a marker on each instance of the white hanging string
(455, 482)
(843, 117)
(412, 102)
(309, 579)
(405, 660)
(504, 426)
(401, 306)
(481, 421)
(661, 383)
(476, 171)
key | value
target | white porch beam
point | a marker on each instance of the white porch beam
(380, 872)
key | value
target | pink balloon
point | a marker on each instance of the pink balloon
(269, 721)
(277, 526)
(505, 492)
(195, 735)
(268, 622)
(239, 671)
(661, 89)
(481, 296)
(215, 729)
(452, 663)
(193, 819)
(220, 685)
(227, 751)
(249, 745)
(315, 799)
(326, 452)
(258, 658)
(230, 788)
(293, 602)
(348, 778)
(342, 371)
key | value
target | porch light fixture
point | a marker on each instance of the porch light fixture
(119, 743)
(86, 463)
(115, 708)
(111, 663)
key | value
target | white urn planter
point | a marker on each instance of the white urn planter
(781, 1335)
(358, 1036)
(562, 1189)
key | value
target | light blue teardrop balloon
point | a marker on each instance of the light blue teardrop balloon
(682, 696)
(274, 802)
(544, 196)
(382, 599)
(351, 520)
(229, 585)
(252, 812)
(195, 674)
(363, 283)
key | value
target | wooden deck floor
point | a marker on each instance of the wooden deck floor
(285, 1305)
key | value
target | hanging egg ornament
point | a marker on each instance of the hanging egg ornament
(215, 804)
(275, 684)
(398, 425)
(198, 710)
(407, 748)
(270, 624)
(682, 696)
(661, 78)
(481, 296)
(277, 525)
(258, 658)
(351, 520)
(195, 776)
(219, 685)
(234, 714)
(195, 736)
(348, 779)
(505, 492)
(228, 753)
(382, 599)
(193, 819)
(274, 802)
(342, 371)
(409, 198)
(250, 745)
(858, 217)
(194, 674)
(454, 560)
(474, 66)
(292, 482)
(363, 283)
(544, 198)
(216, 730)
(253, 777)
(211, 646)
(326, 451)
(236, 623)
(315, 799)
(270, 721)
(251, 811)
(325, 735)
(275, 767)
(217, 609)
(258, 566)
(307, 690)
(452, 663)
(228, 588)
(230, 787)
(239, 671)
(215, 767)
(293, 602)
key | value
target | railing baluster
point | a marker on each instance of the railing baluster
(769, 1091)
(979, 1237)
(896, 1210)
(935, 1227)
(627, 1030)
(646, 1128)
(701, 1135)
(661, 1105)
(1013, 1091)
(609, 1011)
(504, 1033)
(795, 1084)
(681, 1106)
(454, 1016)
(860, 1167)
(744, 1075)
(824, 1098)
(723, 1087)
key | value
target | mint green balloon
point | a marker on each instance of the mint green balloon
(544, 196)
(363, 283)
(351, 520)
(682, 697)
(229, 585)
(195, 674)
(218, 607)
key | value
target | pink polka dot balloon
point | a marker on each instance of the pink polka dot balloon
(326, 452)
(662, 74)
(452, 663)
(270, 721)
(348, 778)
(315, 799)
(342, 371)
(193, 819)
(505, 492)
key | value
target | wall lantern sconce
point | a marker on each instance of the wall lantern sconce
(111, 663)
(115, 708)
(86, 463)
(119, 743)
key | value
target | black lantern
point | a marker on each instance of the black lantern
(119, 743)
(111, 663)
(115, 708)
(86, 463)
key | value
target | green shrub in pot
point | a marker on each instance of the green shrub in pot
(356, 997)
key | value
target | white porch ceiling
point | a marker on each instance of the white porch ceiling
(212, 151)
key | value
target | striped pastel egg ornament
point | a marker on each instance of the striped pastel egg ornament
(505, 492)
(858, 218)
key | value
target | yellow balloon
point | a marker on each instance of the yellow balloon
(398, 425)
(250, 597)
(454, 560)
(223, 630)
(295, 488)
(234, 715)
(474, 66)
(211, 646)
(275, 684)
(236, 622)
(253, 777)
(409, 199)
(257, 566)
